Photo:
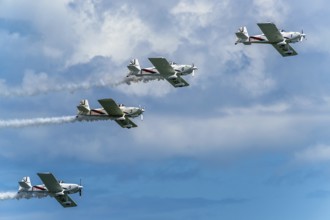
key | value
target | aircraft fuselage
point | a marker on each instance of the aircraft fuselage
(289, 37)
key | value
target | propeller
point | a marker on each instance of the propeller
(80, 188)
(302, 35)
(142, 110)
(193, 69)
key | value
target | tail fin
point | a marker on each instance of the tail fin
(83, 107)
(134, 67)
(24, 184)
(242, 36)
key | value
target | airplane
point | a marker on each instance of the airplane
(280, 39)
(50, 187)
(110, 111)
(162, 68)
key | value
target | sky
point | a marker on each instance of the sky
(248, 139)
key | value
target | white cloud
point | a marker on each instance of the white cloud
(167, 136)
(270, 10)
(254, 78)
(277, 108)
(314, 154)
(76, 31)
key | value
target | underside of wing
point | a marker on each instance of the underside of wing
(127, 123)
(166, 70)
(111, 107)
(285, 50)
(177, 81)
(50, 182)
(163, 66)
(65, 201)
(271, 32)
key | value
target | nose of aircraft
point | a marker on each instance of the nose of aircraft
(141, 110)
(80, 189)
(193, 67)
(302, 35)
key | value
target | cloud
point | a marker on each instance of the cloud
(70, 33)
(270, 10)
(215, 136)
(313, 154)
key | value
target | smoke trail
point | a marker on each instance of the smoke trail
(8, 195)
(17, 123)
(46, 84)
(28, 89)
(144, 79)
(21, 195)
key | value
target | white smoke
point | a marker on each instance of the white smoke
(47, 84)
(8, 195)
(136, 79)
(22, 195)
(17, 123)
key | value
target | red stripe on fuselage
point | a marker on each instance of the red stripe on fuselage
(39, 187)
(149, 71)
(257, 38)
(96, 111)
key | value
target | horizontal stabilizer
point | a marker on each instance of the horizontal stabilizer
(242, 35)
(134, 67)
(25, 183)
(83, 106)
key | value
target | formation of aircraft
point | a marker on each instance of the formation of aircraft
(170, 71)
(280, 39)
(50, 187)
(110, 111)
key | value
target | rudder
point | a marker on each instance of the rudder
(24, 184)
(83, 107)
(134, 67)
(242, 36)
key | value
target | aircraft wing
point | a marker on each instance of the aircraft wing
(111, 107)
(166, 70)
(271, 32)
(50, 182)
(285, 50)
(177, 82)
(65, 201)
(127, 123)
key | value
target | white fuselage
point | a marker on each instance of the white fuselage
(101, 114)
(40, 191)
(289, 37)
(180, 70)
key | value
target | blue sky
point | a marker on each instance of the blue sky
(248, 139)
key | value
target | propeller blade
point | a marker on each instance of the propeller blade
(303, 36)
(80, 191)
(142, 110)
